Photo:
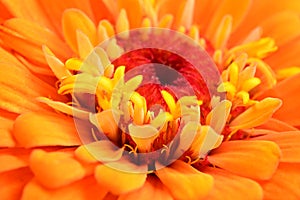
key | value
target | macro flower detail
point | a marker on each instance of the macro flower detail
(146, 99)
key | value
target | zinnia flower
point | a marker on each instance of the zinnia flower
(79, 122)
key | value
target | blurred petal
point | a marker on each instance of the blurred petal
(12, 159)
(12, 183)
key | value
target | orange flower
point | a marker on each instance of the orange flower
(73, 126)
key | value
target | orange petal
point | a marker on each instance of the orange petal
(73, 20)
(134, 11)
(5, 13)
(55, 169)
(55, 8)
(26, 48)
(203, 12)
(289, 144)
(277, 125)
(184, 181)
(30, 10)
(177, 10)
(286, 56)
(122, 182)
(15, 158)
(290, 21)
(237, 9)
(260, 10)
(6, 125)
(288, 92)
(38, 35)
(256, 115)
(228, 186)
(45, 129)
(81, 190)
(252, 159)
(284, 184)
(12, 183)
(152, 189)
(100, 11)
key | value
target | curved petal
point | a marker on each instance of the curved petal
(45, 129)
(30, 10)
(185, 182)
(228, 186)
(277, 125)
(73, 20)
(252, 159)
(13, 158)
(80, 190)
(55, 169)
(6, 126)
(152, 189)
(13, 182)
(284, 184)
(123, 181)
(55, 8)
(289, 144)
(288, 92)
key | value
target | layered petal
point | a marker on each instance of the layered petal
(184, 181)
(287, 91)
(152, 189)
(228, 186)
(124, 181)
(84, 189)
(289, 144)
(55, 169)
(13, 182)
(13, 158)
(252, 159)
(45, 129)
(284, 184)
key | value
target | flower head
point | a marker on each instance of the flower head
(149, 99)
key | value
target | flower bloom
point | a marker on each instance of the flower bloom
(55, 80)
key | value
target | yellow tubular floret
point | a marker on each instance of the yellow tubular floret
(73, 64)
(170, 101)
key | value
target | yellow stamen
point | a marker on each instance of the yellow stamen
(146, 23)
(166, 21)
(250, 84)
(194, 33)
(73, 64)
(233, 73)
(170, 101)
(140, 108)
(227, 87)
(119, 74)
(258, 49)
(244, 96)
